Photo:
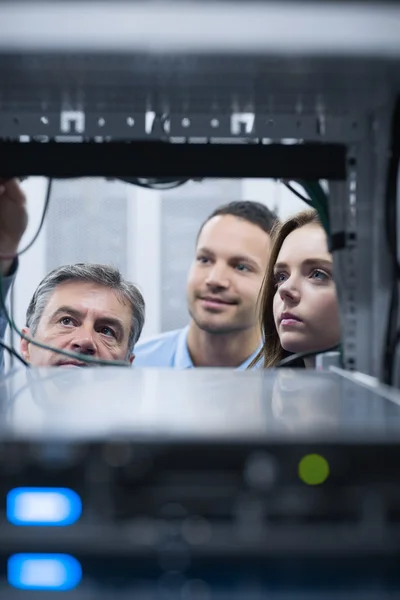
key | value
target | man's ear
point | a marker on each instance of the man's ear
(24, 345)
(131, 358)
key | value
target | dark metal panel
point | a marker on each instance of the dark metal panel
(157, 159)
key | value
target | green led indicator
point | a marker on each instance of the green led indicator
(313, 469)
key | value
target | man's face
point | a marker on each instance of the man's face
(81, 317)
(226, 275)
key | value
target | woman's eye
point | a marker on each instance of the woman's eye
(279, 277)
(320, 275)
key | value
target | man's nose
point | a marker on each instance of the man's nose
(83, 342)
(218, 276)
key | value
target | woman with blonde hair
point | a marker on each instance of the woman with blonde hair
(298, 303)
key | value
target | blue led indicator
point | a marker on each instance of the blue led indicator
(43, 506)
(57, 572)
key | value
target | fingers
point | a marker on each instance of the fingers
(3, 181)
(13, 190)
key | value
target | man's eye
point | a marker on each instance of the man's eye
(242, 267)
(202, 259)
(108, 331)
(66, 321)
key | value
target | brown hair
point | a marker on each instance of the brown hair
(248, 210)
(272, 351)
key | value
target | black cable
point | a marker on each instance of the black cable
(12, 313)
(44, 213)
(152, 184)
(391, 336)
(293, 358)
(317, 199)
(296, 193)
(155, 184)
(14, 353)
(77, 356)
(81, 357)
(10, 349)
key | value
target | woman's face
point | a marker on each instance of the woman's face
(305, 304)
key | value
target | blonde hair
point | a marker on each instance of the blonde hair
(272, 352)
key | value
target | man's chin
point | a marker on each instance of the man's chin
(214, 323)
(214, 327)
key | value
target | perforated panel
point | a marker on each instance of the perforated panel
(87, 222)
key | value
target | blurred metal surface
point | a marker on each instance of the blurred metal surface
(202, 404)
(194, 476)
(336, 28)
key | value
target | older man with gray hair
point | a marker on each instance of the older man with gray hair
(88, 310)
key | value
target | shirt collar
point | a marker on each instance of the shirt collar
(247, 362)
(182, 358)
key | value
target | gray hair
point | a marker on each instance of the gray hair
(104, 275)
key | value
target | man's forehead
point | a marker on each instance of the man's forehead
(86, 295)
(227, 222)
(232, 235)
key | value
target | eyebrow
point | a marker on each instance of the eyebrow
(238, 258)
(309, 262)
(73, 312)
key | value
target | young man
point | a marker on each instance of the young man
(86, 309)
(232, 251)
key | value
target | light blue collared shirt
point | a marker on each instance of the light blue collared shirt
(170, 349)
